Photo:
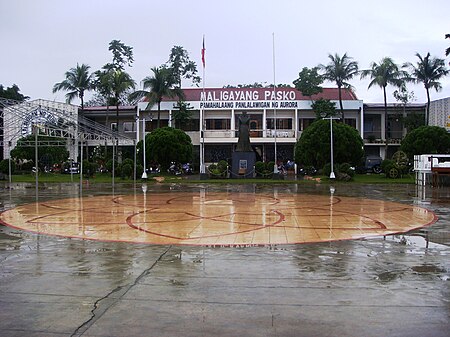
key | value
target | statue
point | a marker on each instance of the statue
(243, 144)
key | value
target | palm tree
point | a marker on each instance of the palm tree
(340, 70)
(104, 85)
(382, 74)
(447, 51)
(78, 80)
(121, 82)
(429, 70)
(161, 84)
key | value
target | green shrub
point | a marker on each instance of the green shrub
(260, 167)
(222, 165)
(126, 171)
(342, 171)
(89, 168)
(387, 164)
(109, 166)
(139, 170)
(128, 161)
(346, 168)
(218, 170)
(4, 166)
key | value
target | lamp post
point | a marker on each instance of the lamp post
(144, 174)
(332, 175)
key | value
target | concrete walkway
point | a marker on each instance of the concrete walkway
(398, 286)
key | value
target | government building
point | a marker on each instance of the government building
(277, 119)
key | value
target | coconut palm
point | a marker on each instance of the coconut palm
(78, 80)
(104, 85)
(161, 84)
(428, 70)
(383, 74)
(340, 70)
(121, 83)
(447, 51)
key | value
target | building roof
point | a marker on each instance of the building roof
(111, 108)
(394, 105)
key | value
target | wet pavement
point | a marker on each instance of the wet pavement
(393, 286)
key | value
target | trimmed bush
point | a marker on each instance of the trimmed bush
(4, 166)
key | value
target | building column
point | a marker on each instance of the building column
(233, 119)
(361, 116)
(383, 126)
(170, 118)
(264, 121)
(296, 124)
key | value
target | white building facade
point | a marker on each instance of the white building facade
(278, 118)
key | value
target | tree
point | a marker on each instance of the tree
(428, 70)
(182, 66)
(52, 154)
(313, 147)
(182, 114)
(309, 81)
(426, 140)
(104, 86)
(121, 83)
(12, 93)
(340, 70)
(382, 74)
(161, 84)
(324, 108)
(447, 51)
(410, 121)
(167, 144)
(122, 54)
(78, 80)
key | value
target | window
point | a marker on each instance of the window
(282, 123)
(217, 124)
(189, 125)
(114, 126)
(351, 122)
(304, 123)
(129, 127)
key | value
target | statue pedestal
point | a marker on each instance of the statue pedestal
(243, 164)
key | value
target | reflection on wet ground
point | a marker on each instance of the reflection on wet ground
(397, 285)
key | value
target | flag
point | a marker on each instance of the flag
(203, 52)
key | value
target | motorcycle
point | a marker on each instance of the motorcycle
(187, 169)
(174, 169)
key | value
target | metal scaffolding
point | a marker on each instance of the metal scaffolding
(54, 120)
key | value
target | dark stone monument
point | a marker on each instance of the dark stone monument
(243, 158)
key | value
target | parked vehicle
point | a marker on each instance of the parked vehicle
(154, 169)
(373, 164)
(187, 168)
(71, 168)
(174, 169)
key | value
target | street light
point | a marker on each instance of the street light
(332, 175)
(144, 174)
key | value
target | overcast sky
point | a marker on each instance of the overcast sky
(42, 39)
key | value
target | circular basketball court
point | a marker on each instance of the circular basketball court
(217, 218)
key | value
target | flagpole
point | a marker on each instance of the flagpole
(202, 112)
(275, 167)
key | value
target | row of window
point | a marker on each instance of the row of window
(225, 124)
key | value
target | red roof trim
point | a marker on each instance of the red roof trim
(111, 107)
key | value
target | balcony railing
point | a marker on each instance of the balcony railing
(374, 136)
(280, 133)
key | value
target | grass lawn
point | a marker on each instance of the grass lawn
(106, 178)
